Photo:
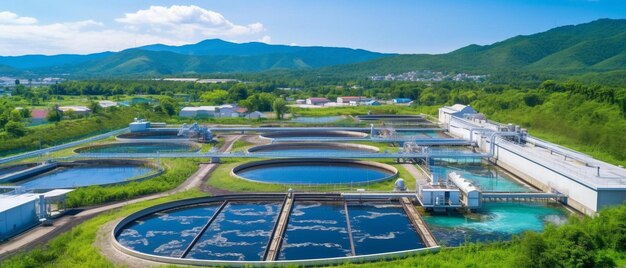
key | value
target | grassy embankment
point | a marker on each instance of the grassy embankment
(69, 130)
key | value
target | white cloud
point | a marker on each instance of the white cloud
(7, 17)
(175, 25)
(186, 22)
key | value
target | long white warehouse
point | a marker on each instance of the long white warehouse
(589, 184)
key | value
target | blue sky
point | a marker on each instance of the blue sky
(72, 26)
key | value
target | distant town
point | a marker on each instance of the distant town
(429, 76)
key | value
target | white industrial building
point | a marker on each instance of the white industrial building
(22, 211)
(79, 110)
(352, 100)
(222, 111)
(457, 110)
(588, 184)
(107, 103)
(317, 101)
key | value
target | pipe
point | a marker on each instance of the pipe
(492, 140)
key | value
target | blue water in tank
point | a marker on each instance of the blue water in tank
(316, 230)
(80, 176)
(381, 227)
(240, 232)
(166, 233)
(313, 173)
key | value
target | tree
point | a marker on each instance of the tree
(17, 82)
(25, 112)
(258, 102)
(215, 97)
(95, 107)
(15, 129)
(280, 107)
(15, 116)
(167, 106)
(54, 114)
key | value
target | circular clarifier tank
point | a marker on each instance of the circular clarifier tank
(241, 230)
(86, 173)
(391, 117)
(313, 134)
(314, 148)
(314, 171)
(151, 135)
(139, 147)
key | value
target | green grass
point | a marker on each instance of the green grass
(241, 145)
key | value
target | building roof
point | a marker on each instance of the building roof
(39, 113)
(319, 99)
(8, 202)
(352, 97)
(107, 103)
(199, 108)
(74, 108)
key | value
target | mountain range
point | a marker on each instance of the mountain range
(597, 46)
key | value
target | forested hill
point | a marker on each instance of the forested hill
(597, 46)
(209, 56)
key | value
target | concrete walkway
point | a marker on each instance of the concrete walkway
(420, 178)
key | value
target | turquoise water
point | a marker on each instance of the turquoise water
(313, 173)
(486, 177)
(240, 232)
(73, 177)
(380, 227)
(316, 230)
(322, 119)
(495, 221)
(140, 148)
(166, 233)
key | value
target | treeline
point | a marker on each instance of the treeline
(67, 130)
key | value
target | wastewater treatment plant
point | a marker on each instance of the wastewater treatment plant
(385, 187)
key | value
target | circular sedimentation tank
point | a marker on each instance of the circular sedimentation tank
(391, 117)
(314, 148)
(155, 136)
(140, 147)
(314, 171)
(87, 173)
(239, 230)
(313, 134)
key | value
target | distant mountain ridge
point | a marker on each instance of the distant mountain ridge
(208, 56)
(595, 46)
